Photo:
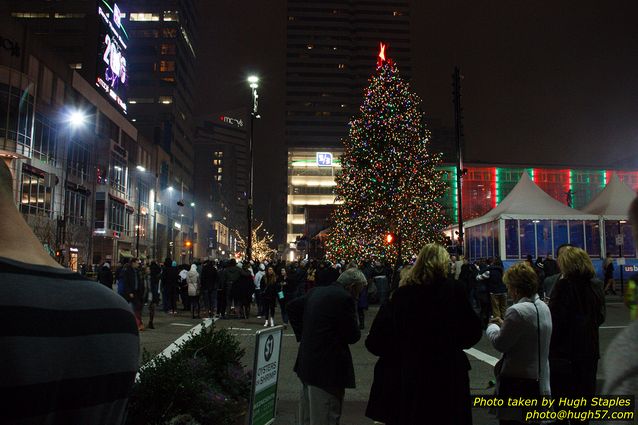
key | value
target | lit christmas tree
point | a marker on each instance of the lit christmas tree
(389, 183)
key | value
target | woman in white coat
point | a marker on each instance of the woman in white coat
(523, 337)
(192, 279)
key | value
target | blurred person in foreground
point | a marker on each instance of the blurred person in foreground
(577, 305)
(419, 336)
(325, 323)
(523, 336)
(621, 362)
(70, 349)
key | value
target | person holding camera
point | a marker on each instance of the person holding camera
(523, 336)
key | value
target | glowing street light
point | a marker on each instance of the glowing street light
(209, 215)
(140, 168)
(192, 204)
(77, 118)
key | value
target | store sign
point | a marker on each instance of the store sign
(10, 46)
(112, 72)
(324, 159)
(237, 122)
(631, 269)
(263, 400)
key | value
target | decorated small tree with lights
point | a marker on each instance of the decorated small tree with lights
(389, 185)
(261, 249)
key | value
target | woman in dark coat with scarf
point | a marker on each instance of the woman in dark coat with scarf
(429, 304)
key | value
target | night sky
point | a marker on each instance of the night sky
(545, 82)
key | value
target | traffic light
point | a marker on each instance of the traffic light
(188, 244)
(389, 238)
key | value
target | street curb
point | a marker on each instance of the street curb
(174, 347)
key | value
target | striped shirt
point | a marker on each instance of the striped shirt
(69, 348)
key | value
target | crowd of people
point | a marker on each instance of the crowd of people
(228, 289)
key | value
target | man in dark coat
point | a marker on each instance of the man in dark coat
(325, 323)
(156, 272)
(134, 290)
(105, 275)
(209, 287)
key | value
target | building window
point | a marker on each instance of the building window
(69, 15)
(77, 65)
(167, 49)
(144, 17)
(35, 197)
(29, 15)
(78, 160)
(117, 177)
(75, 207)
(117, 216)
(136, 100)
(171, 15)
(342, 66)
(145, 33)
(169, 32)
(45, 141)
(167, 66)
(291, 18)
(168, 79)
(165, 100)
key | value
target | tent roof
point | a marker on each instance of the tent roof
(528, 201)
(614, 199)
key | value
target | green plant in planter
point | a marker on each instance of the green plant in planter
(203, 380)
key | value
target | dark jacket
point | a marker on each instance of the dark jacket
(133, 284)
(209, 277)
(441, 315)
(105, 277)
(269, 290)
(578, 309)
(325, 323)
(156, 271)
(170, 276)
(495, 283)
(231, 275)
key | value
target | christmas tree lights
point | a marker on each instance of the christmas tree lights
(389, 180)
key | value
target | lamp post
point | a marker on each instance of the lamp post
(140, 170)
(253, 82)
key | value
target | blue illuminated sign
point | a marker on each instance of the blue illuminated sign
(324, 159)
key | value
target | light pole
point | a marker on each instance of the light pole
(253, 82)
(140, 169)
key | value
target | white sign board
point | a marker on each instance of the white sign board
(621, 261)
(263, 401)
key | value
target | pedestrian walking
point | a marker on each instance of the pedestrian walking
(523, 336)
(578, 309)
(493, 278)
(155, 273)
(419, 336)
(285, 294)
(170, 278)
(192, 280)
(270, 288)
(325, 323)
(608, 267)
(258, 290)
(209, 287)
(134, 290)
(105, 275)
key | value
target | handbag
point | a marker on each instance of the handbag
(523, 387)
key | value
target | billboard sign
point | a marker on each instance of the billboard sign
(112, 72)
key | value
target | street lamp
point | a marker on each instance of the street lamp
(253, 81)
(77, 118)
(209, 215)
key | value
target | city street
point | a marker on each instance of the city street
(482, 357)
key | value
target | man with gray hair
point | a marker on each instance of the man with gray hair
(325, 323)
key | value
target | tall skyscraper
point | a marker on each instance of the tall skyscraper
(221, 175)
(331, 52)
(332, 48)
(162, 54)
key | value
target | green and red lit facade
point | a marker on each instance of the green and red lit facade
(484, 187)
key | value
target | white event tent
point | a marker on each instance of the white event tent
(612, 206)
(530, 222)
